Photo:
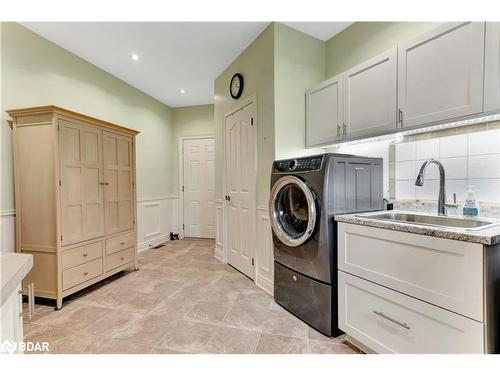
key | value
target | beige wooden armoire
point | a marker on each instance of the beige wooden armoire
(75, 198)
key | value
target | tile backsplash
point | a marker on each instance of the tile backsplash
(470, 161)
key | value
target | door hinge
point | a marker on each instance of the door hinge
(251, 121)
(183, 227)
(253, 262)
(183, 188)
(61, 237)
(57, 127)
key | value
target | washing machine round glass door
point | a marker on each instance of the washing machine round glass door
(292, 209)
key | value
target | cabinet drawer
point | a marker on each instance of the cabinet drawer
(444, 272)
(82, 273)
(120, 242)
(82, 254)
(119, 258)
(390, 322)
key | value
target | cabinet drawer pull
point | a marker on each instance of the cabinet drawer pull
(104, 183)
(122, 258)
(85, 273)
(84, 254)
(122, 243)
(382, 315)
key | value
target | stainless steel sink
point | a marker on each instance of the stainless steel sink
(433, 220)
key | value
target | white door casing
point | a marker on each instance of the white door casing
(199, 187)
(240, 187)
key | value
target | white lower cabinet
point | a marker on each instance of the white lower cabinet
(410, 293)
(387, 321)
(11, 323)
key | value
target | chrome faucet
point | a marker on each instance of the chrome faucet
(442, 205)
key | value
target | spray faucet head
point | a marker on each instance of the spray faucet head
(420, 177)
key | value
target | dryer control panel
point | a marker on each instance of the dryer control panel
(311, 163)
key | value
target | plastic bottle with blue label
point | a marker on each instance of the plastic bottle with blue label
(470, 207)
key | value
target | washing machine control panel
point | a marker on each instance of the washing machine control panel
(312, 163)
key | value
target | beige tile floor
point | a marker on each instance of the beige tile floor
(182, 300)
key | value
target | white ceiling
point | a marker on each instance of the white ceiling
(172, 55)
(320, 30)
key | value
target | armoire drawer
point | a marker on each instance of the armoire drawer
(119, 258)
(446, 273)
(387, 321)
(82, 254)
(82, 273)
(120, 242)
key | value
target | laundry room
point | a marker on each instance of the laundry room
(223, 186)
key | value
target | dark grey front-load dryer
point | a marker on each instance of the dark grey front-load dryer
(305, 194)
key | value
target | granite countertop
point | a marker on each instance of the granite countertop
(13, 268)
(487, 236)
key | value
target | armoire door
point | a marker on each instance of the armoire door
(118, 182)
(81, 176)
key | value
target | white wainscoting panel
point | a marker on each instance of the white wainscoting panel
(155, 220)
(8, 231)
(219, 230)
(264, 252)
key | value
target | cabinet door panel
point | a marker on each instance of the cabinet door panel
(81, 174)
(118, 176)
(324, 112)
(370, 96)
(441, 74)
(492, 67)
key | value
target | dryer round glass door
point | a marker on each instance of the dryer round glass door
(292, 210)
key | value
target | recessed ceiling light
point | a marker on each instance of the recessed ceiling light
(135, 57)
(182, 91)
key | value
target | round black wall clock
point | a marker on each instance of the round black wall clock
(236, 86)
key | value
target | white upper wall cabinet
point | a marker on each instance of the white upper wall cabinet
(370, 96)
(492, 67)
(324, 112)
(441, 74)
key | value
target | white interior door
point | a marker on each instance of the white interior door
(199, 187)
(240, 145)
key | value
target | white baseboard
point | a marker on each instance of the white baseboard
(264, 251)
(156, 218)
(153, 242)
(219, 231)
(219, 254)
(265, 284)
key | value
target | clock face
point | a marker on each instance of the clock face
(236, 86)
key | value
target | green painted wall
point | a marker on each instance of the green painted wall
(256, 64)
(363, 40)
(299, 64)
(195, 120)
(37, 72)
